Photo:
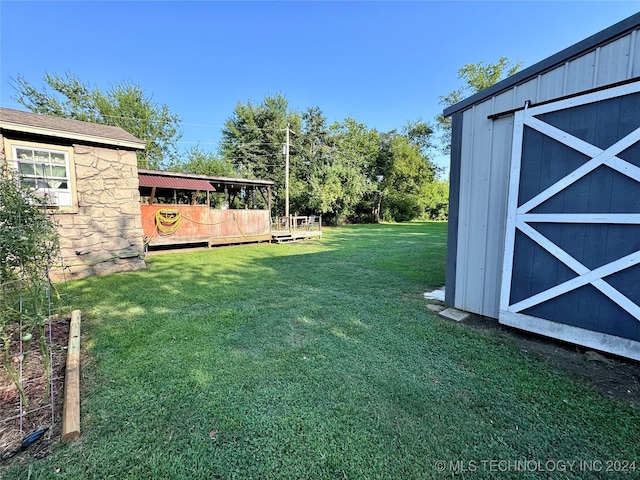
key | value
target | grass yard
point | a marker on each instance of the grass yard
(317, 360)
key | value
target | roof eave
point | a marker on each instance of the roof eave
(606, 35)
(18, 127)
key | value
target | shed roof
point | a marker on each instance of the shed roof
(174, 182)
(605, 36)
(35, 123)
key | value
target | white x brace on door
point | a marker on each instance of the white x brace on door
(533, 226)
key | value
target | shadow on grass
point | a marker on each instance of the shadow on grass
(174, 280)
(289, 294)
(314, 360)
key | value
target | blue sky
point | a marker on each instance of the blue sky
(382, 63)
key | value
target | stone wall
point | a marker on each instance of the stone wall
(105, 234)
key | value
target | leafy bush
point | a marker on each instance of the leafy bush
(29, 240)
(28, 247)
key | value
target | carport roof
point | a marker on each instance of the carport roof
(178, 183)
(219, 181)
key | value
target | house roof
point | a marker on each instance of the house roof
(174, 182)
(240, 182)
(606, 35)
(35, 123)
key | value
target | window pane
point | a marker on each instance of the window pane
(30, 182)
(39, 169)
(58, 171)
(26, 168)
(57, 158)
(23, 154)
(41, 156)
(58, 183)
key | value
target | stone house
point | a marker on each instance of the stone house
(89, 173)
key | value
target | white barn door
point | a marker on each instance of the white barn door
(572, 254)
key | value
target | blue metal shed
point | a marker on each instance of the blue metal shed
(544, 229)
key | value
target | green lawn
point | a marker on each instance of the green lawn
(316, 360)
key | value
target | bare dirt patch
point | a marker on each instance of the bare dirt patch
(15, 427)
(614, 377)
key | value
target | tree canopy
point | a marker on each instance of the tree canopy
(203, 163)
(124, 105)
(343, 170)
(476, 77)
(346, 171)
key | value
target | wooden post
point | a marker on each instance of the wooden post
(71, 407)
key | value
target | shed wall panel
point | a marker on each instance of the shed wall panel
(482, 210)
(504, 101)
(613, 64)
(497, 214)
(526, 91)
(552, 84)
(635, 55)
(580, 74)
(464, 227)
(454, 209)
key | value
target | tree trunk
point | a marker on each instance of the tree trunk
(376, 209)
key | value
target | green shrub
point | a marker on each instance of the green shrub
(28, 247)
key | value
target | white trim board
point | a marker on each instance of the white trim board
(626, 89)
(576, 335)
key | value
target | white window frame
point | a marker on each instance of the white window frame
(62, 198)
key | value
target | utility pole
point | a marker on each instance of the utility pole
(286, 181)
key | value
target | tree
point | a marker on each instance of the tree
(406, 189)
(253, 138)
(124, 105)
(420, 134)
(345, 180)
(400, 173)
(204, 163)
(479, 76)
(436, 200)
(312, 152)
(476, 77)
(343, 171)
